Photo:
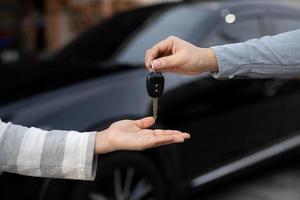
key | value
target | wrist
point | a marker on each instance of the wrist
(212, 58)
(102, 143)
(207, 60)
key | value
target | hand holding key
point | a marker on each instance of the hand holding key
(178, 56)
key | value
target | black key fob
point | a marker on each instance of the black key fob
(155, 83)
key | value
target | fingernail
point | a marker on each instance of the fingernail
(155, 64)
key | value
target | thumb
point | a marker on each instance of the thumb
(145, 122)
(164, 63)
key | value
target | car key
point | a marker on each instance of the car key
(155, 83)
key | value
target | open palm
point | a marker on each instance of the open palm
(134, 135)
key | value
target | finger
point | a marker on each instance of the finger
(168, 139)
(145, 122)
(158, 132)
(180, 137)
(167, 63)
(176, 135)
(156, 50)
(163, 139)
(186, 135)
(148, 63)
(162, 48)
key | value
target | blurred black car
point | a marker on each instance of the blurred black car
(237, 126)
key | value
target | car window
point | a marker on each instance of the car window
(183, 22)
(284, 24)
(241, 29)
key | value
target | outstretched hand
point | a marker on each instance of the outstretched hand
(134, 135)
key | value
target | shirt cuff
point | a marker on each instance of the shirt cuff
(80, 159)
(233, 60)
(91, 158)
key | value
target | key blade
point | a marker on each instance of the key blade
(155, 107)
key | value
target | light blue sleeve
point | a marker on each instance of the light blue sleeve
(270, 56)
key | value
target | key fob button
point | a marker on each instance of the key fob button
(155, 84)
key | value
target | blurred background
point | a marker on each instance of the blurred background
(33, 27)
(79, 65)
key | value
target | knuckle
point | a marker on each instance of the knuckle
(143, 123)
(154, 48)
(162, 63)
(172, 37)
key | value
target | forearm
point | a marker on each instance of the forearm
(55, 154)
(270, 56)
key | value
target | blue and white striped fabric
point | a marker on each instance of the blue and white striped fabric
(55, 154)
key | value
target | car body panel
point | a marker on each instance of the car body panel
(97, 100)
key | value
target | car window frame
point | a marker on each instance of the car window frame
(151, 20)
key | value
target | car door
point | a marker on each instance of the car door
(227, 119)
(282, 20)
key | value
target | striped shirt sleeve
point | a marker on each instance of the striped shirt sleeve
(53, 154)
